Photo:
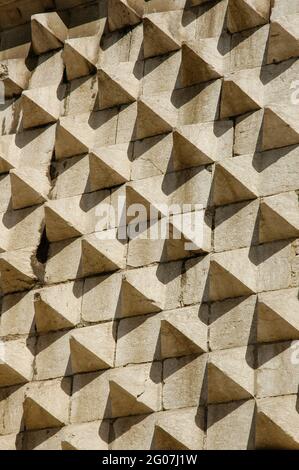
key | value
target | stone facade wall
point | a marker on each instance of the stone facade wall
(143, 342)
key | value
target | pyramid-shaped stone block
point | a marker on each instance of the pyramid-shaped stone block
(277, 423)
(48, 32)
(64, 219)
(279, 218)
(29, 187)
(16, 363)
(80, 56)
(40, 410)
(124, 13)
(141, 292)
(228, 278)
(109, 166)
(245, 14)
(40, 106)
(283, 38)
(162, 33)
(201, 62)
(117, 84)
(230, 377)
(16, 270)
(57, 307)
(92, 348)
(278, 313)
(15, 76)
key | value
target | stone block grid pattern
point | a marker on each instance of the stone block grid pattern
(141, 344)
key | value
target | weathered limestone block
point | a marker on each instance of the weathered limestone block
(101, 298)
(135, 390)
(89, 388)
(278, 314)
(228, 275)
(95, 253)
(248, 133)
(245, 14)
(80, 56)
(279, 217)
(109, 166)
(231, 374)
(248, 48)
(16, 362)
(11, 409)
(199, 103)
(118, 84)
(233, 323)
(40, 106)
(173, 238)
(280, 127)
(102, 252)
(44, 439)
(184, 382)
(155, 70)
(49, 64)
(278, 369)
(279, 171)
(240, 178)
(242, 92)
(156, 115)
(195, 280)
(134, 432)
(273, 127)
(17, 314)
(9, 153)
(209, 18)
(40, 410)
(127, 47)
(200, 144)
(10, 442)
(77, 134)
(142, 292)
(92, 348)
(188, 187)
(52, 356)
(75, 216)
(48, 32)
(168, 334)
(160, 431)
(230, 426)
(114, 332)
(10, 116)
(235, 225)
(119, 392)
(163, 33)
(277, 268)
(5, 192)
(85, 436)
(58, 307)
(283, 38)
(22, 228)
(82, 96)
(32, 142)
(123, 13)
(188, 146)
(71, 177)
(15, 76)
(131, 293)
(277, 423)
(18, 270)
(202, 61)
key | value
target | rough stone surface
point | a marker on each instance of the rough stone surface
(117, 335)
